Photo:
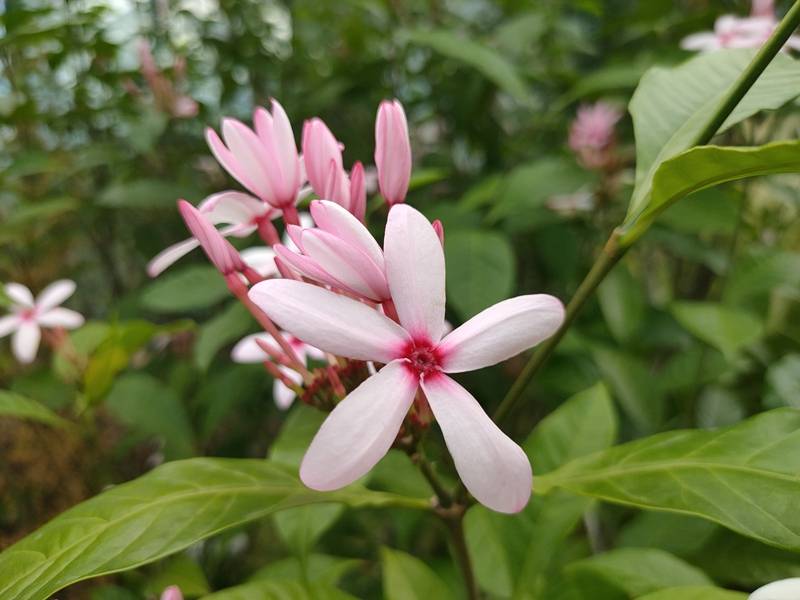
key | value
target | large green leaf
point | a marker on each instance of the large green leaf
(705, 166)
(672, 105)
(637, 571)
(746, 477)
(480, 270)
(158, 514)
(694, 592)
(408, 578)
(726, 329)
(320, 568)
(191, 288)
(512, 553)
(280, 590)
(485, 60)
(20, 407)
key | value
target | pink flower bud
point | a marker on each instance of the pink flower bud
(337, 186)
(319, 149)
(392, 151)
(219, 251)
(358, 192)
(439, 229)
(173, 592)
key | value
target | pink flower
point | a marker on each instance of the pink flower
(591, 135)
(28, 316)
(240, 213)
(247, 351)
(348, 192)
(339, 252)
(165, 94)
(363, 426)
(265, 161)
(219, 251)
(173, 592)
(392, 151)
(731, 31)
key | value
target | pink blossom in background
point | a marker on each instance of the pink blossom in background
(166, 96)
(29, 315)
(240, 213)
(364, 425)
(173, 592)
(392, 151)
(264, 161)
(339, 252)
(247, 350)
(731, 31)
(591, 135)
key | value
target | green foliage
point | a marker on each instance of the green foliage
(741, 477)
(20, 407)
(408, 578)
(124, 527)
(191, 288)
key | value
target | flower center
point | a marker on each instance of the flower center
(424, 358)
(27, 314)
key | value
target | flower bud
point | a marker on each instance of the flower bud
(319, 149)
(219, 251)
(392, 151)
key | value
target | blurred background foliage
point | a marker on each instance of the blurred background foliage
(697, 327)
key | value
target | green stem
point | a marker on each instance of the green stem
(612, 252)
(609, 257)
(749, 76)
(462, 556)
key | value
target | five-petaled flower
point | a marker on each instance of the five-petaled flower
(248, 350)
(364, 425)
(29, 315)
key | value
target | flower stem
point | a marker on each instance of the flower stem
(609, 257)
(612, 251)
(461, 554)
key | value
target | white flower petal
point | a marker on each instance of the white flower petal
(25, 342)
(329, 321)
(335, 219)
(8, 324)
(232, 208)
(54, 294)
(784, 589)
(60, 317)
(360, 430)
(283, 396)
(493, 468)
(415, 271)
(248, 351)
(19, 294)
(500, 332)
(169, 256)
(261, 259)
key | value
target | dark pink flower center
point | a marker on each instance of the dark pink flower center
(423, 357)
(27, 314)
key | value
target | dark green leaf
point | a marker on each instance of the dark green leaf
(191, 288)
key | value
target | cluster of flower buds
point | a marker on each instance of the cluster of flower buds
(371, 317)
(731, 31)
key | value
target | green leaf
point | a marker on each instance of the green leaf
(280, 590)
(20, 407)
(704, 592)
(672, 105)
(622, 302)
(480, 270)
(191, 288)
(183, 572)
(296, 434)
(143, 193)
(705, 166)
(300, 528)
(584, 424)
(762, 273)
(124, 527)
(150, 408)
(485, 60)
(726, 329)
(638, 571)
(632, 382)
(746, 477)
(314, 568)
(783, 380)
(231, 324)
(408, 578)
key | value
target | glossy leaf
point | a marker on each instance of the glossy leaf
(726, 329)
(124, 527)
(19, 407)
(672, 105)
(638, 571)
(408, 578)
(480, 270)
(191, 288)
(482, 58)
(706, 166)
(744, 477)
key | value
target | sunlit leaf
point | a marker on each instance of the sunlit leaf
(408, 578)
(726, 329)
